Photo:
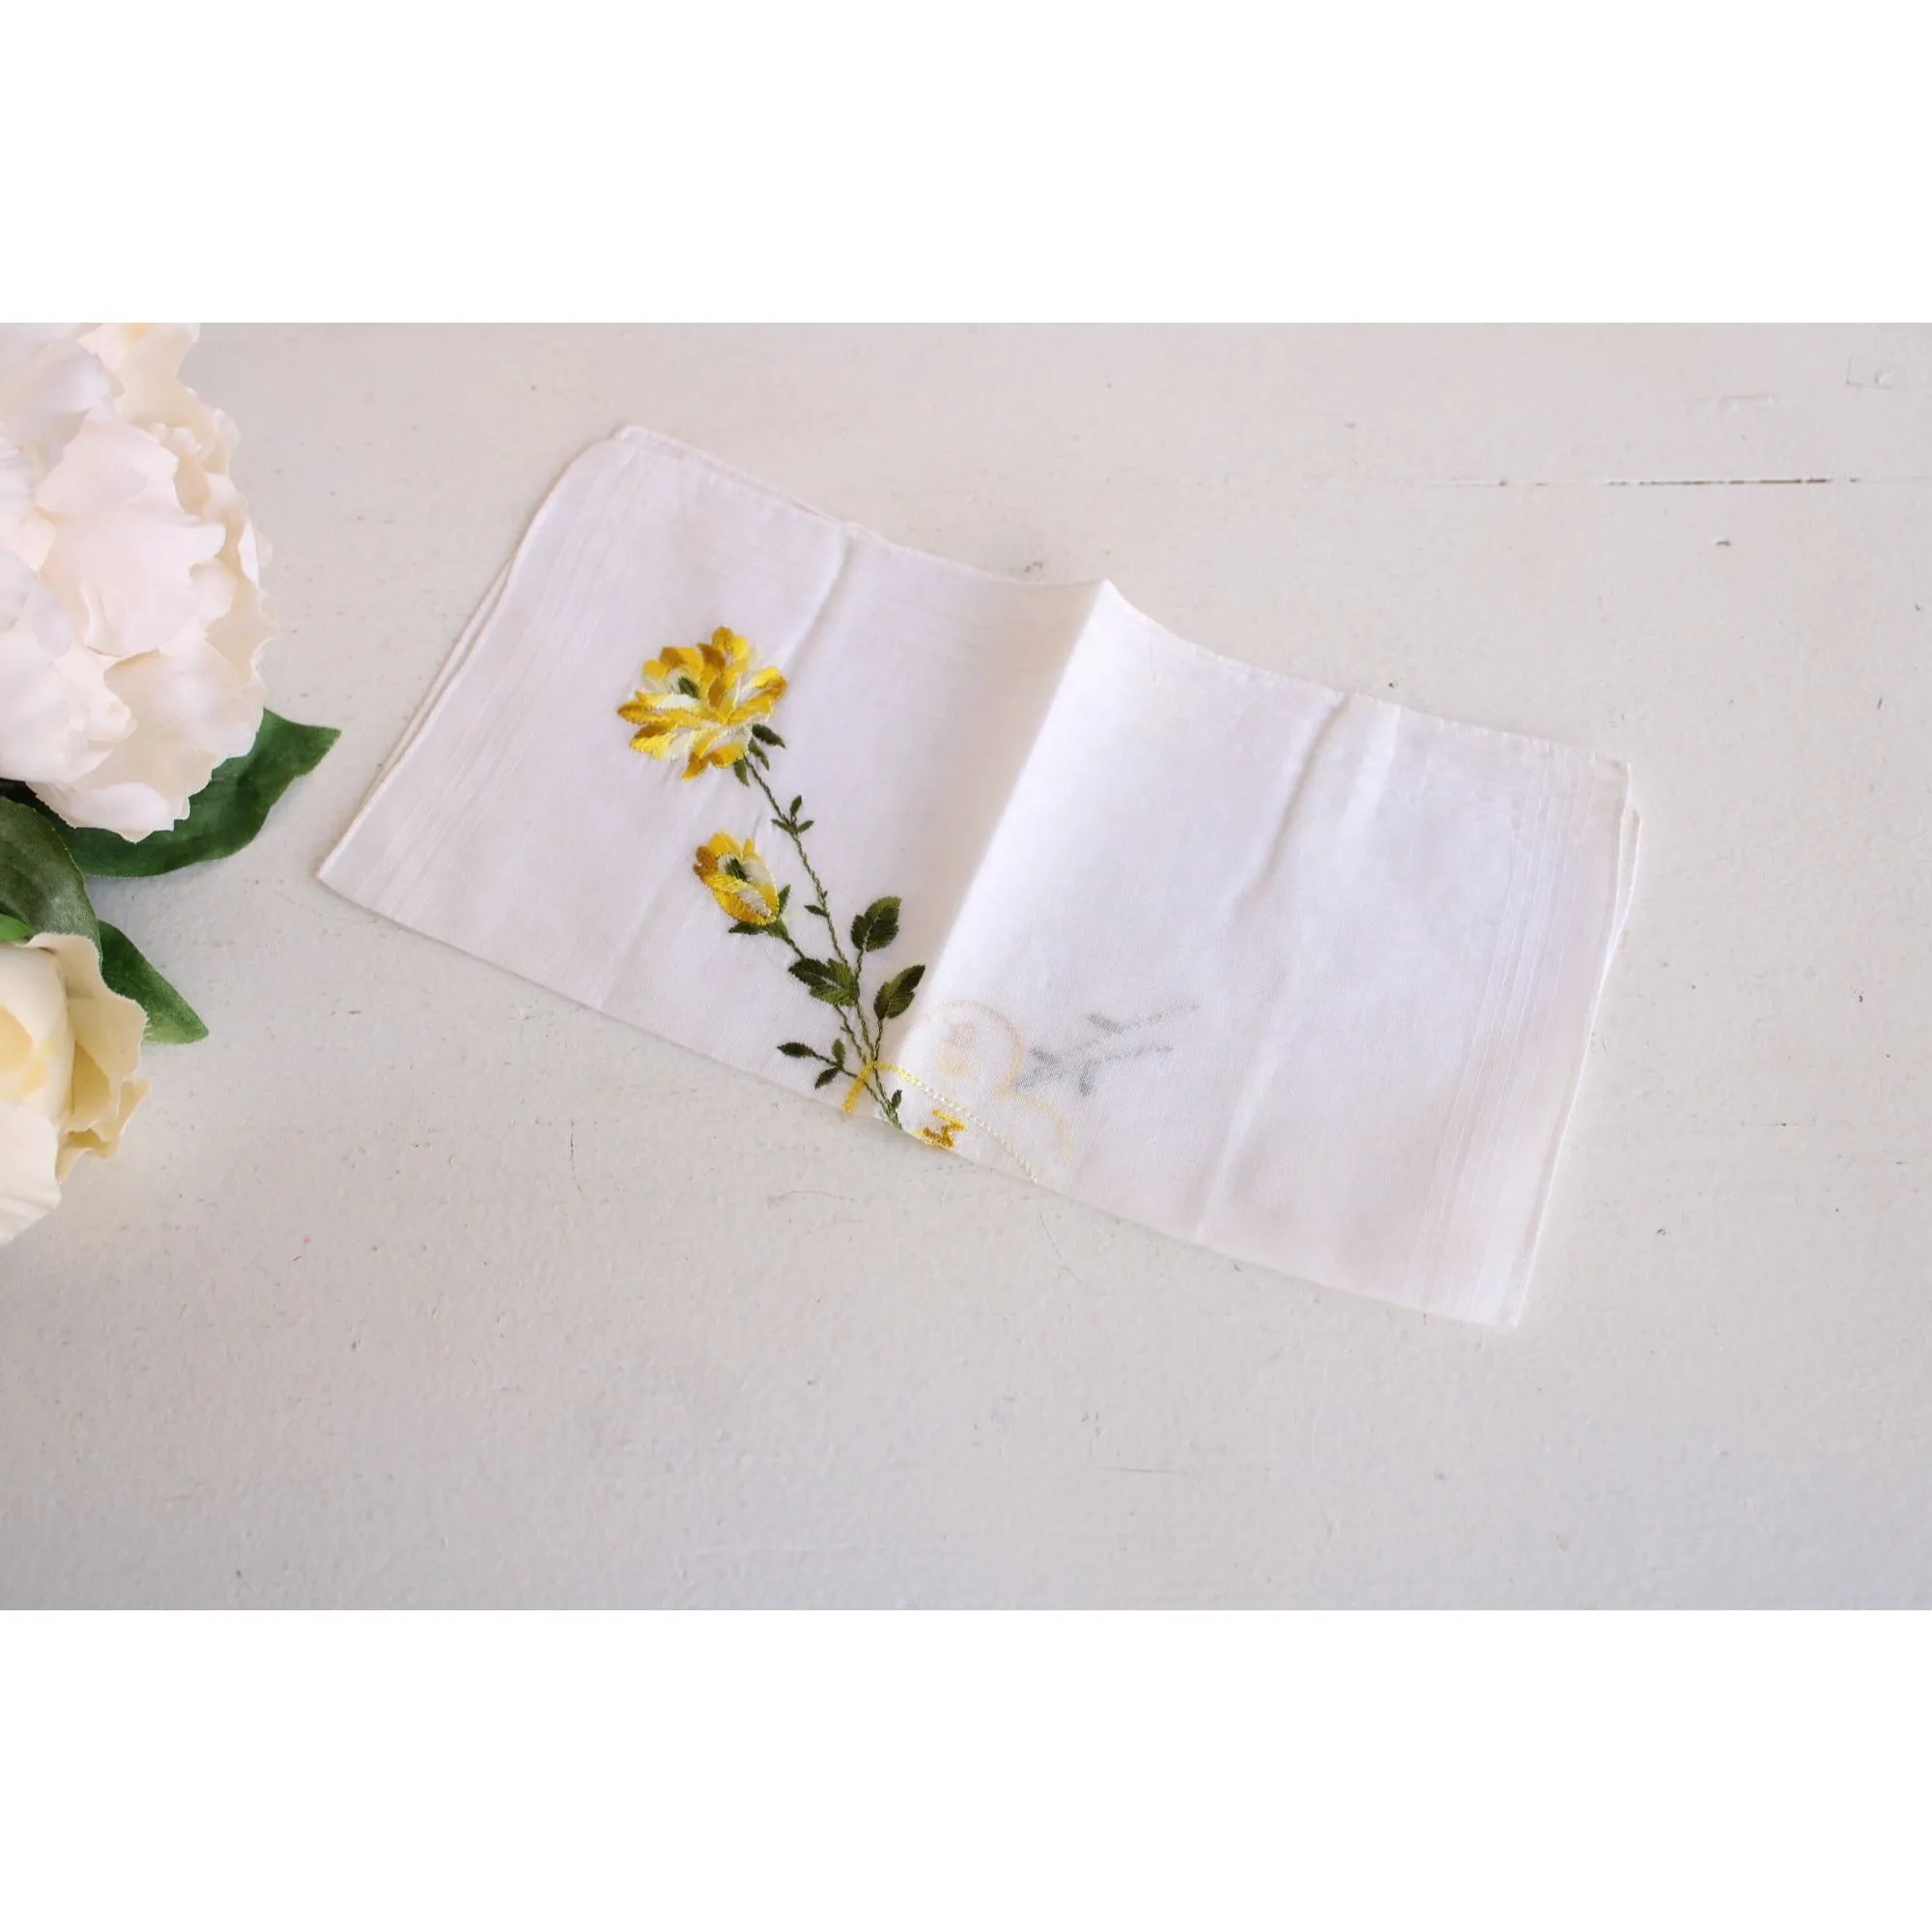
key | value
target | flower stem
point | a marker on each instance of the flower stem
(785, 823)
(858, 1045)
(865, 1044)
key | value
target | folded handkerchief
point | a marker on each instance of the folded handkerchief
(1305, 977)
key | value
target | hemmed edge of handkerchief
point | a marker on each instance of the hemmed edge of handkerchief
(349, 869)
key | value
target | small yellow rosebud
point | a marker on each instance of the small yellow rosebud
(739, 879)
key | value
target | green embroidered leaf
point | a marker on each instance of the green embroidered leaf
(39, 884)
(795, 804)
(171, 1020)
(12, 931)
(877, 927)
(743, 777)
(784, 897)
(767, 736)
(827, 981)
(830, 1073)
(796, 1049)
(897, 994)
(747, 925)
(838, 1053)
(805, 827)
(224, 815)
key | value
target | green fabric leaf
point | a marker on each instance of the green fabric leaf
(796, 1049)
(897, 994)
(14, 931)
(830, 1073)
(223, 816)
(41, 889)
(171, 1020)
(39, 884)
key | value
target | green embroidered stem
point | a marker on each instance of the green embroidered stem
(866, 1045)
(865, 1068)
(789, 825)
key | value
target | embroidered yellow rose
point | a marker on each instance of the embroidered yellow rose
(740, 880)
(704, 704)
(707, 704)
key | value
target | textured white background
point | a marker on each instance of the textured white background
(416, 1285)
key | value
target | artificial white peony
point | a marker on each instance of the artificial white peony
(69, 1051)
(131, 608)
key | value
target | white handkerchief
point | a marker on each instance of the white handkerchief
(1305, 977)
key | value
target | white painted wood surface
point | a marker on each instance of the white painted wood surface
(416, 1285)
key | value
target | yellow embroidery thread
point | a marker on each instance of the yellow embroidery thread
(703, 703)
(956, 1114)
(958, 1063)
(944, 1130)
(740, 880)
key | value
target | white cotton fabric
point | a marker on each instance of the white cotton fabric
(1301, 976)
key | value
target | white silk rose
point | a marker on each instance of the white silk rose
(130, 605)
(69, 1051)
